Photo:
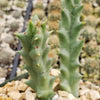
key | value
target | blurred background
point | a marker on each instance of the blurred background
(14, 17)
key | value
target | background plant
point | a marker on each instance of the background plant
(39, 10)
(90, 68)
(70, 46)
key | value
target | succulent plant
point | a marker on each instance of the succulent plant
(91, 20)
(53, 25)
(91, 67)
(16, 14)
(55, 5)
(39, 5)
(54, 15)
(91, 48)
(6, 53)
(87, 10)
(53, 40)
(20, 4)
(35, 53)
(14, 26)
(88, 33)
(39, 12)
(7, 38)
(70, 46)
(3, 3)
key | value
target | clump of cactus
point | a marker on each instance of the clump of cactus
(88, 33)
(53, 25)
(3, 3)
(55, 5)
(14, 26)
(20, 4)
(87, 10)
(53, 41)
(91, 68)
(16, 14)
(70, 46)
(54, 15)
(39, 5)
(35, 53)
(39, 10)
(91, 20)
(87, 36)
(91, 48)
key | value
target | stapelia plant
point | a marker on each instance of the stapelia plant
(35, 53)
(70, 46)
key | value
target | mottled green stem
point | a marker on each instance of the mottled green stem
(70, 46)
(35, 53)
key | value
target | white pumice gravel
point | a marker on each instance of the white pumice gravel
(87, 91)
